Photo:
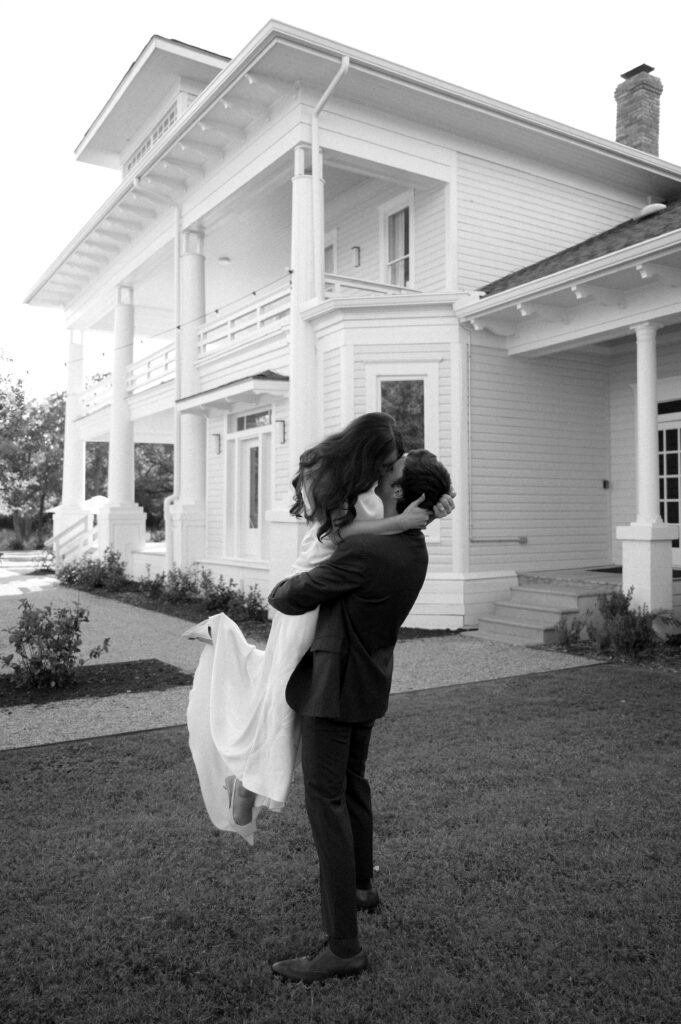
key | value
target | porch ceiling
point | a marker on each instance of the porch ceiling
(593, 303)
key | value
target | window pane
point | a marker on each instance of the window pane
(404, 399)
(253, 490)
(398, 247)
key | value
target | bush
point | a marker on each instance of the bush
(88, 573)
(613, 627)
(47, 643)
(224, 597)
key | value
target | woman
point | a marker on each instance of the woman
(243, 736)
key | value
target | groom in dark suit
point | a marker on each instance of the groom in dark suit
(365, 591)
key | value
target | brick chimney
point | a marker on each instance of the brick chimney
(638, 109)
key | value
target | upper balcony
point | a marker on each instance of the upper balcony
(248, 322)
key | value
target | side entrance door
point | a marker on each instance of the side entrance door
(669, 435)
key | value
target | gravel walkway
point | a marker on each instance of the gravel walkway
(136, 634)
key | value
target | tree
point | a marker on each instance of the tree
(153, 475)
(31, 454)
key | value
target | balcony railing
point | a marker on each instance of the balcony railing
(248, 320)
(336, 284)
(158, 368)
(251, 317)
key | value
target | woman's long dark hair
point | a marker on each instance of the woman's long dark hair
(341, 467)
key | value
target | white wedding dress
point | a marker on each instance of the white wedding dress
(240, 726)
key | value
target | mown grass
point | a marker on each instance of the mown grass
(527, 836)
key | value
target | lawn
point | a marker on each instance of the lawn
(527, 838)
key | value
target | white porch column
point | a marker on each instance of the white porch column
(121, 521)
(188, 513)
(646, 543)
(303, 389)
(70, 512)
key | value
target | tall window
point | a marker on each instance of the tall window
(399, 250)
(405, 400)
(254, 488)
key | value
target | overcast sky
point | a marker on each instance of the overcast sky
(62, 61)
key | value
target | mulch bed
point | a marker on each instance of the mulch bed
(100, 681)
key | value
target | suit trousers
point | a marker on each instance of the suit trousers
(338, 803)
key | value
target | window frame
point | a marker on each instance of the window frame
(401, 202)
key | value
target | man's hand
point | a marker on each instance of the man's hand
(414, 517)
(444, 506)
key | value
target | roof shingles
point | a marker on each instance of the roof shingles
(610, 241)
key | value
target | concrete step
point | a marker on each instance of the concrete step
(531, 614)
(559, 597)
(512, 631)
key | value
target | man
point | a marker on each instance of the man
(365, 591)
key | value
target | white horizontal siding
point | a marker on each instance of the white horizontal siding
(216, 467)
(429, 241)
(242, 361)
(539, 453)
(356, 216)
(509, 218)
(331, 390)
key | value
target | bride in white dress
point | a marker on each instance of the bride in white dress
(243, 736)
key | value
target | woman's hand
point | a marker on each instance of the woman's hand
(414, 517)
(444, 506)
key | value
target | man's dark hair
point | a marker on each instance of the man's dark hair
(422, 473)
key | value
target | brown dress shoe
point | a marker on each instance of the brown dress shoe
(367, 899)
(321, 966)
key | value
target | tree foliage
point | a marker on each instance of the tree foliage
(31, 454)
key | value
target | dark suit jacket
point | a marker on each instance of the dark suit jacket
(365, 591)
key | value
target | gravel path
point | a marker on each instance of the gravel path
(136, 633)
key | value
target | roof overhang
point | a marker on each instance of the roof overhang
(150, 79)
(594, 302)
(243, 91)
(250, 390)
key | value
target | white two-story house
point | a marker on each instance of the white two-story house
(304, 233)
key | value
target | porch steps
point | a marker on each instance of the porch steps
(534, 609)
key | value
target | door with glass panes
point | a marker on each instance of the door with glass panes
(669, 438)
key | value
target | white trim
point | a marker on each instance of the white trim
(429, 373)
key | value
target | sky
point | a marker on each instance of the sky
(61, 62)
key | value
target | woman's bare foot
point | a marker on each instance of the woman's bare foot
(242, 804)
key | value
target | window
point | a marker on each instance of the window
(398, 248)
(397, 241)
(405, 400)
(253, 420)
(164, 125)
(254, 488)
(409, 392)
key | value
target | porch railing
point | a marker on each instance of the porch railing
(246, 320)
(252, 317)
(337, 284)
(158, 368)
(75, 540)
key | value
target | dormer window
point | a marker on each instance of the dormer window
(160, 129)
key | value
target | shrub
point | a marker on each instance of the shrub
(613, 627)
(181, 585)
(152, 586)
(224, 597)
(47, 643)
(88, 573)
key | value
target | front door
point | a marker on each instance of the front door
(669, 435)
(250, 497)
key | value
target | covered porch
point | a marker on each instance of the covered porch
(618, 295)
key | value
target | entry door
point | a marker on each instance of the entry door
(253, 494)
(669, 435)
(250, 497)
